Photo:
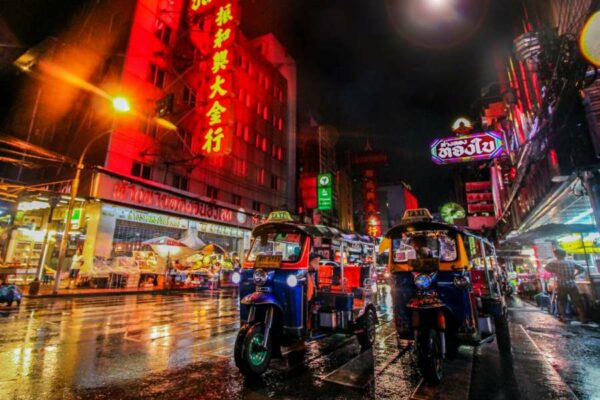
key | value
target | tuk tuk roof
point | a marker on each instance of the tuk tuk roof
(431, 225)
(322, 231)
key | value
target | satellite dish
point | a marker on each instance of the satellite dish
(450, 212)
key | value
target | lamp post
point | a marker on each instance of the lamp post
(119, 104)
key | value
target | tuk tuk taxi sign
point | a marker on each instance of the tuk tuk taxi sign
(416, 215)
(280, 216)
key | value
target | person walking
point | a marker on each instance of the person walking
(566, 271)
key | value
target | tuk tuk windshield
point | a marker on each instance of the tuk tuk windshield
(425, 245)
(287, 245)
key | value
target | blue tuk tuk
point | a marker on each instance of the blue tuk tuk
(446, 290)
(283, 301)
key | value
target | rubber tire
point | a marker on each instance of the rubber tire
(429, 356)
(249, 369)
(366, 338)
(502, 333)
(239, 345)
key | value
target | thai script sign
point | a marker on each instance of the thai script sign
(123, 191)
(476, 147)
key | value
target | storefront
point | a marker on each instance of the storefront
(110, 244)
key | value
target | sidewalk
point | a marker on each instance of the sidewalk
(46, 292)
(570, 349)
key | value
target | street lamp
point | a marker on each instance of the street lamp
(120, 104)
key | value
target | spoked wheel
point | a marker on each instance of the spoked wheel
(502, 332)
(366, 338)
(255, 357)
(430, 356)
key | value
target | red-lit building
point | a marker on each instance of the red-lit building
(207, 148)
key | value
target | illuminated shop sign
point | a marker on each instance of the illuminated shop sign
(476, 147)
(130, 193)
(220, 21)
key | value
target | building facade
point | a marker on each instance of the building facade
(204, 152)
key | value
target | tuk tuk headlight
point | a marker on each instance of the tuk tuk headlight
(461, 282)
(422, 281)
(260, 277)
(292, 280)
(236, 277)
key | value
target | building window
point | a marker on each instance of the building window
(264, 144)
(248, 101)
(236, 199)
(267, 83)
(181, 182)
(186, 139)
(156, 76)
(163, 32)
(247, 134)
(141, 170)
(273, 150)
(275, 182)
(188, 96)
(239, 129)
(257, 141)
(239, 167)
(260, 177)
(241, 95)
(148, 127)
(258, 108)
(265, 113)
(256, 206)
(212, 192)
(279, 153)
(280, 124)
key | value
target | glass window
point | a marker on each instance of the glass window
(141, 170)
(286, 245)
(212, 192)
(440, 245)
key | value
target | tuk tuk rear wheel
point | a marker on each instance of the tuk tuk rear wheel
(255, 357)
(366, 337)
(502, 332)
(429, 356)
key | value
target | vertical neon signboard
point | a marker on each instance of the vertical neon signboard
(221, 20)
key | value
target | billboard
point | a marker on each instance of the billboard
(476, 147)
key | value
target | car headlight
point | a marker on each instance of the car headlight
(260, 277)
(292, 280)
(422, 281)
(236, 277)
(461, 282)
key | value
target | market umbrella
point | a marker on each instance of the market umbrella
(213, 248)
(190, 239)
(167, 247)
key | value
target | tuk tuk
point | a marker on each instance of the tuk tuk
(281, 304)
(446, 290)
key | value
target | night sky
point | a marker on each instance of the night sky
(357, 71)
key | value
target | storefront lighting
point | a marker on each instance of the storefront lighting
(32, 205)
(580, 217)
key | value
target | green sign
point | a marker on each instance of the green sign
(451, 212)
(324, 192)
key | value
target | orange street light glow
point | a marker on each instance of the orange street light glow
(121, 104)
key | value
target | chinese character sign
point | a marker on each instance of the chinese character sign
(479, 146)
(216, 132)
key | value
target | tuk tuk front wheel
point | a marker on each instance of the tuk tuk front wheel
(255, 357)
(366, 337)
(239, 345)
(429, 356)
(502, 332)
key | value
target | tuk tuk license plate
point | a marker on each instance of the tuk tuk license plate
(263, 261)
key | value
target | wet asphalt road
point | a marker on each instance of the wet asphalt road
(179, 346)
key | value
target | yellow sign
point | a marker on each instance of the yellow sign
(418, 214)
(264, 261)
(280, 216)
(589, 41)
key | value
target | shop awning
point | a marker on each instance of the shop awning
(548, 231)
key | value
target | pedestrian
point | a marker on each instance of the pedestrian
(566, 271)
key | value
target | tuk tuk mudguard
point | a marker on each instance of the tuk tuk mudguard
(280, 295)
(456, 300)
